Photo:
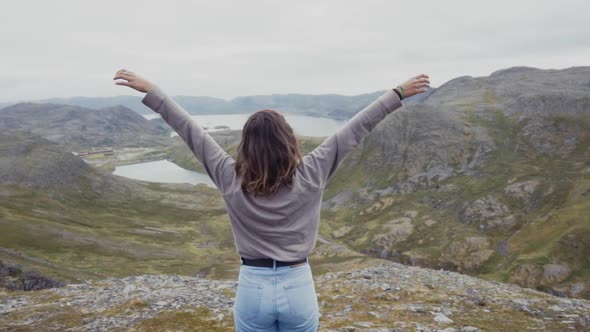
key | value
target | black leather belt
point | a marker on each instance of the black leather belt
(267, 262)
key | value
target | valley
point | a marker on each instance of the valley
(486, 176)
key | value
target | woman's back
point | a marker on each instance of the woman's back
(283, 225)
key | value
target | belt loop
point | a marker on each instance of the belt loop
(241, 261)
(306, 260)
(274, 264)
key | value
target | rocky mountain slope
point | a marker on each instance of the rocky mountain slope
(488, 176)
(82, 128)
(386, 297)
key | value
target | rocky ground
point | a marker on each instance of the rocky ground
(387, 297)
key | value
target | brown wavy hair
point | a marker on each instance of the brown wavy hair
(268, 153)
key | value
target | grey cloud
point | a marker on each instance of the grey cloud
(230, 48)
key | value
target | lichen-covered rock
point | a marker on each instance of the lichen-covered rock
(340, 232)
(395, 231)
(489, 213)
(555, 273)
(526, 275)
(13, 277)
(522, 190)
(552, 137)
(467, 255)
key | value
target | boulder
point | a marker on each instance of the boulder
(489, 213)
(555, 273)
(12, 277)
(340, 232)
(522, 190)
(469, 254)
(392, 233)
(526, 275)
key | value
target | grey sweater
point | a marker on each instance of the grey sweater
(283, 226)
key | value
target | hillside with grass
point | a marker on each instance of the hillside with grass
(71, 221)
(488, 176)
(67, 220)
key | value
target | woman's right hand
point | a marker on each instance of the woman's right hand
(415, 85)
(133, 80)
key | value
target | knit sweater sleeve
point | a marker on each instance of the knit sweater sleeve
(218, 164)
(323, 161)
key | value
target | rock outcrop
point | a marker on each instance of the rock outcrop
(488, 213)
(468, 255)
(12, 277)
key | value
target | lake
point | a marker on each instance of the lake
(162, 171)
(302, 124)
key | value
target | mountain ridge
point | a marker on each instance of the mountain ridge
(239, 104)
(83, 128)
(330, 105)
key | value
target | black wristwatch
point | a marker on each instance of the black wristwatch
(399, 94)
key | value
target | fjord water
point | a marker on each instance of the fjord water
(165, 171)
(302, 124)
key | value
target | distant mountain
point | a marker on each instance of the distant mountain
(334, 106)
(196, 105)
(326, 105)
(488, 176)
(82, 128)
(131, 102)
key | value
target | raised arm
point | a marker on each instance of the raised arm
(217, 163)
(322, 162)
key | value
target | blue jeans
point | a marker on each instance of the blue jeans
(276, 299)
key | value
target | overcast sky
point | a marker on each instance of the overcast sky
(232, 48)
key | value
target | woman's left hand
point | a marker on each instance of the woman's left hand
(133, 80)
(415, 85)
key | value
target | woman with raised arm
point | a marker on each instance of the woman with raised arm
(273, 197)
